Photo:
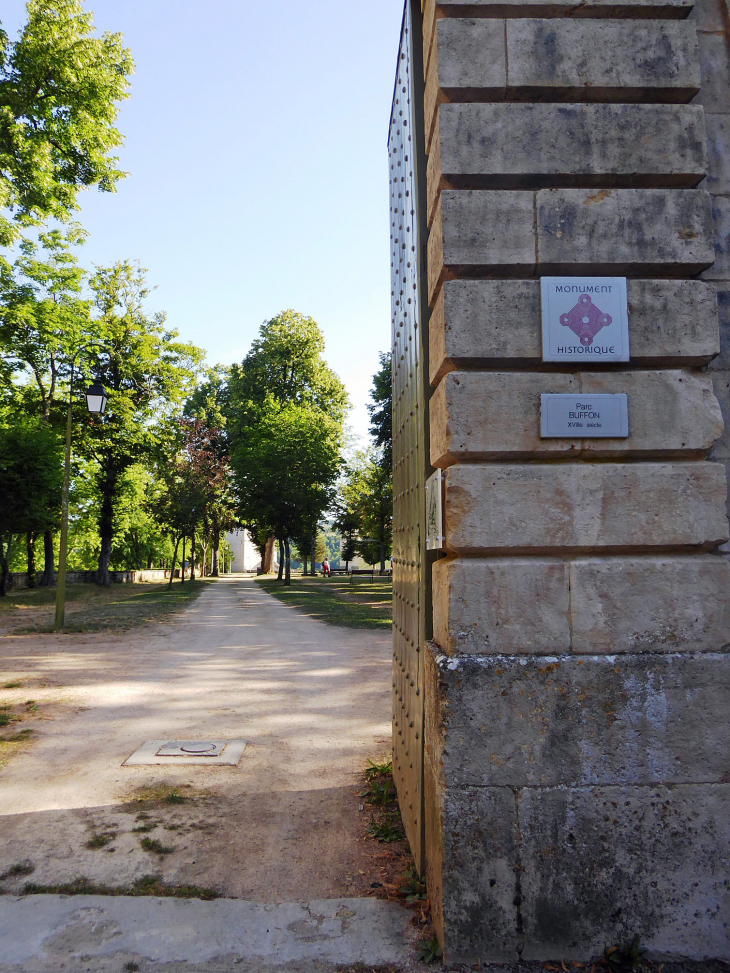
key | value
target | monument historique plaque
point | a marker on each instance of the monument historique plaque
(585, 319)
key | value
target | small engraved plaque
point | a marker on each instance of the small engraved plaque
(584, 416)
(585, 319)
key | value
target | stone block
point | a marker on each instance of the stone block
(595, 60)
(513, 146)
(624, 231)
(718, 150)
(562, 721)
(650, 604)
(467, 62)
(475, 233)
(480, 880)
(493, 323)
(600, 865)
(584, 508)
(720, 270)
(496, 415)
(479, 606)
(715, 68)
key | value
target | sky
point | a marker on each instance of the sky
(255, 141)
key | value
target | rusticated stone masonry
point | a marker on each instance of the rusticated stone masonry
(577, 688)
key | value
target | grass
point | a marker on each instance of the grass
(20, 868)
(159, 794)
(367, 604)
(95, 609)
(101, 840)
(153, 845)
(147, 885)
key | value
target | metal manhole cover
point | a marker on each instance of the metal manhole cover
(156, 753)
(191, 748)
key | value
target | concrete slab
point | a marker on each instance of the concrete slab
(48, 931)
(222, 753)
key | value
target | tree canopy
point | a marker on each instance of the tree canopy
(60, 88)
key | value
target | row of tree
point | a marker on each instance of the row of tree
(182, 454)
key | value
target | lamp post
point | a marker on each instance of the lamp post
(96, 399)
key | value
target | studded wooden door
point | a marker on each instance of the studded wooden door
(411, 579)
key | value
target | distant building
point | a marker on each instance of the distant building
(246, 555)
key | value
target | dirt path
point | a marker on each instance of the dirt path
(313, 702)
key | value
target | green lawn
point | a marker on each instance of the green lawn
(93, 609)
(360, 604)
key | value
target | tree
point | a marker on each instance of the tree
(286, 467)
(60, 88)
(286, 411)
(30, 485)
(366, 508)
(207, 405)
(381, 410)
(43, 319)
(146, 373)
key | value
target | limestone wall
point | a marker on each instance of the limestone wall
(577, 763)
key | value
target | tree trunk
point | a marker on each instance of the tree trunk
(281, 560)
(106, 524)
(49, 567)
(4, 564)
(314, 553)
(215, 568)
(182, 563)
(382, 557)
(287, 548)
(267, 562)
(105, 534)
(192, 558)
(172, 567)
(32, 578)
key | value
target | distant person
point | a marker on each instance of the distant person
(326, 568)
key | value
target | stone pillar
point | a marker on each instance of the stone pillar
(577, 727)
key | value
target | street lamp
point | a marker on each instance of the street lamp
(96, 399)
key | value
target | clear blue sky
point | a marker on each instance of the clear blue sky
(256, 146)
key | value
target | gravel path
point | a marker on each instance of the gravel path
(312, 701)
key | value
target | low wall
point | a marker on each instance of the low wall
(19, 579)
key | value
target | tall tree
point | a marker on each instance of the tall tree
(381, 410)
(43, 320)
(30, 486)
(286, 410)
(60, 88)
(146, 372)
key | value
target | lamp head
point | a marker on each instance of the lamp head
(96, 399)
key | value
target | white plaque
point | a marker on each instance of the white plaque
(584, 416)
(434, 512)
(585, 319)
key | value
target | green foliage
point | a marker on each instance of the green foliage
(285, 364)
(381, 410)
(429, 950)
(43, 317)
(155, 846)
(365, 508)
(413, 888)
(31, 477)
(388, 830)
(60, 86)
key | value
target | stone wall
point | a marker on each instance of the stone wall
(577, 759)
